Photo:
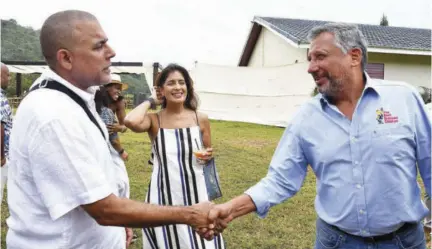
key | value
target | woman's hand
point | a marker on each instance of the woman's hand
(157, 96)
(203, 158)
(116, 128)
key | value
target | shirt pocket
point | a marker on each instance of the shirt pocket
(392, 143)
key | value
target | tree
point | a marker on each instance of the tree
(20, 43)
(384, 21)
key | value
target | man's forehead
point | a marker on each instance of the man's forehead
(322, 41)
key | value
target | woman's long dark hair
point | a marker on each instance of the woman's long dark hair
(102, 98)
(191, 101)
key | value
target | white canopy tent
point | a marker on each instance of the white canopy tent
(267, 96)
(23, 67)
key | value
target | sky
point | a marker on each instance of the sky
(212, 32)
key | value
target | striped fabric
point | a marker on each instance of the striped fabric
(176, 180)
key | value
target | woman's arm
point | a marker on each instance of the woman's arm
(206, 135)
(205, 129)
(121, 111)
(119, 148)
(138, 120)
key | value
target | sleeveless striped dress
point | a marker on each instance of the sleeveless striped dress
(177, 180)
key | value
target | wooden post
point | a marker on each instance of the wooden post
(155, 72)
(18, 85)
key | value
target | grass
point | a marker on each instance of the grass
(243, 152)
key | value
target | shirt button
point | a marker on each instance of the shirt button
(356, 162)
(358, 186)
(362, 211)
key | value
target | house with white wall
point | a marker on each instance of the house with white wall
(395, 53)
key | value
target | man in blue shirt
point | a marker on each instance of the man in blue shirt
(363, 138)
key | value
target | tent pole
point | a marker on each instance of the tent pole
(18, 85)
(155, 72)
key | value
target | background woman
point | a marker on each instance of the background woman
(175, 131)
(109, 104)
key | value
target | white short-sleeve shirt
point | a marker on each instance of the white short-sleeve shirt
(59, 161)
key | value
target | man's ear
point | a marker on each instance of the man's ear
(64, 59)
(356, 56)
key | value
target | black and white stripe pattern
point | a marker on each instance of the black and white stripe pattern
(177, 180)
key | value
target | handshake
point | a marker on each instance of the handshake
(210, 219)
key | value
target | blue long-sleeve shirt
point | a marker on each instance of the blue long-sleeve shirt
(366, 168)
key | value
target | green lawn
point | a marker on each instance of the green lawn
(243, 152)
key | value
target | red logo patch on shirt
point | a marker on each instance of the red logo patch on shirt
(385, 117)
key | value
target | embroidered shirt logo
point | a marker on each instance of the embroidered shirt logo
(385, 117)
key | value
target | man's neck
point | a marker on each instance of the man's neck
(352, 91)
(71, 80)
(350, 96)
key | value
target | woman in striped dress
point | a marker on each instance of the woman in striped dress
(175, 131)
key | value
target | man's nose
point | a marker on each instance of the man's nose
(312, 67)
(111, 53)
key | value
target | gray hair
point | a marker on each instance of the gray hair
(347, 36)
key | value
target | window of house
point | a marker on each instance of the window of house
(375, 70)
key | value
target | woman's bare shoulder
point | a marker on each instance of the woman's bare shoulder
(202, 117)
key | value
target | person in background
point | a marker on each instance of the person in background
(6, 126)
(176, 131)
(110, 102)
(117, 103)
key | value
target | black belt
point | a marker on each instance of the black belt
(379, 238)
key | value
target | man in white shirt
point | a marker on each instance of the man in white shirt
(63, 187)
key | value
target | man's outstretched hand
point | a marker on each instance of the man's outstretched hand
(200, 220)
(218, 216)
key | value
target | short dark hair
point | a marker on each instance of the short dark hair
(57, 32)
(191, 101)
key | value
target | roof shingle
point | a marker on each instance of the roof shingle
(377, 36)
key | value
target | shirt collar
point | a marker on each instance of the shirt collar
(371, 85)
(87, 95)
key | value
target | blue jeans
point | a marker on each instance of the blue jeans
(327, 237)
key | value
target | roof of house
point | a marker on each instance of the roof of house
(385, 37)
